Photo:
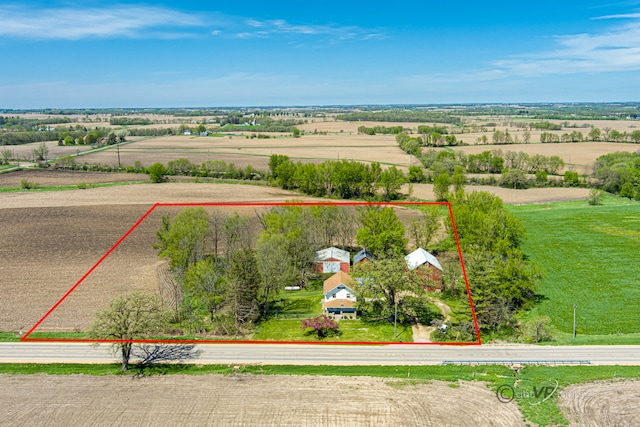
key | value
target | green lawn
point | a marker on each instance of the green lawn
(298, 305)
(590, 256)
(350, 331)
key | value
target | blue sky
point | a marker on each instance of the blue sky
(91, 54)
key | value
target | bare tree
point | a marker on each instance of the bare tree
(7, 155)
(237, 234)
(41, 153)
(217, 219)
(275, 267)
(346, 226)
(423, 230)
(134, 316)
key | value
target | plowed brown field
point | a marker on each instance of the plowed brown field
(247, 400)
(51, 239)
(607, 403)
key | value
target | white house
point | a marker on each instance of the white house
(339, 294)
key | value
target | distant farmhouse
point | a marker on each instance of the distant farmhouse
(427, 267)
(339, 294)
(332, 260)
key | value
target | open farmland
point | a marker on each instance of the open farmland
(579, 156)
(56, 237)
(24, 152)
(256, 152)
(242, 399)
(602, 403)
(510, 196)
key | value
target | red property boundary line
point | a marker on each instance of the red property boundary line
(257, 204)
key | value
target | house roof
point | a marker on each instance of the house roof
(337, 279)
(362, 255)
(420, 257)
(337, 303)
(333, 252)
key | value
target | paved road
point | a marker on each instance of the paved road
(340, 354)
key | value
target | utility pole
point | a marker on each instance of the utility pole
(395, 321)
(574, 321)
(118, 149)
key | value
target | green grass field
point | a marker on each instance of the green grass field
(590, 256)
(350, 331)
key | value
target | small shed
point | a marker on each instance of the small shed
(332, 260)
(362, 257)
(427, 267)
(339, 294)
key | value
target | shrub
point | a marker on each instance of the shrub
(321, 325)
(627, 190)
(595, 197)
(157, 172)
(25, 184)
(514, 178)
(572, 178)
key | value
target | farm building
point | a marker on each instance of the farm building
(427, 267)
(339, 296)
(362, 257)
(332, 260)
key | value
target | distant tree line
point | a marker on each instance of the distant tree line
(401, 116)
(129, 121)
(345, 179)
(23, 123)
(384, 130)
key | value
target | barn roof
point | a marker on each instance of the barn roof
(339, 278)
(362, 255)
(333, 252)
(420, 257)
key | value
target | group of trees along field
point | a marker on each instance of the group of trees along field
(619, 173)
(345, 179)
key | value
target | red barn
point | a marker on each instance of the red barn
(332, 260)
(427, 267)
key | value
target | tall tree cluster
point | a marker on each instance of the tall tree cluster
(345, 179)
(502, 279)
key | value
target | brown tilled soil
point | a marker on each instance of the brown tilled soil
(606, 403)
(51, 239)
(256, 152)
(510, 196)
(241, 399)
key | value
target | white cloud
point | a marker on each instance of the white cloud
(77, 23)
(280, 27)
(619, 16)
(616, 49)
(128, 21)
